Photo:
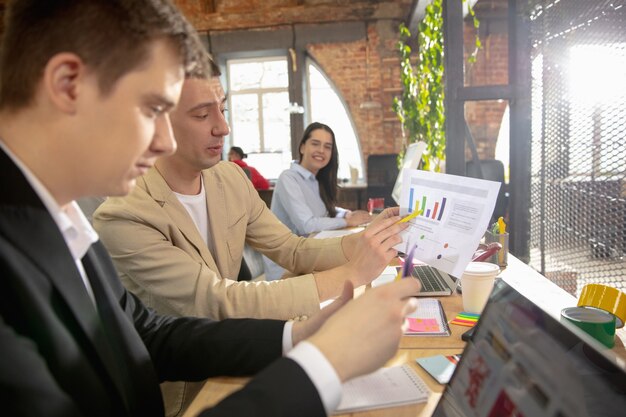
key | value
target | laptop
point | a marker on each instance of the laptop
(411, 160)
(523, 362)
(435, 283)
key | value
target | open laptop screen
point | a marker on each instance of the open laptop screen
(523, 362)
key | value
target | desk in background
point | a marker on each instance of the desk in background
(519, 275)
(349, 196)
(266, 195)
(352, 196)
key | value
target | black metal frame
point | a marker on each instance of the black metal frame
(517, 92)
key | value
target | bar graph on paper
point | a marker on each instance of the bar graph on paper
(450, 215)
(434, 211)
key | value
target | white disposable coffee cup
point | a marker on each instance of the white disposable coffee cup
(477, 283)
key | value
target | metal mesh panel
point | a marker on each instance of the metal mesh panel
(578, 173)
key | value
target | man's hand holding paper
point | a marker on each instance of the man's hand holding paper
(453, 214)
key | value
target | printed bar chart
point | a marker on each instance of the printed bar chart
(446, 215)
(434, 213)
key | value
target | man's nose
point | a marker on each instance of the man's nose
(163, 142)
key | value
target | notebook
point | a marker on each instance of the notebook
(521, 361)
(387, 387)
(440, 367)
(429, 319)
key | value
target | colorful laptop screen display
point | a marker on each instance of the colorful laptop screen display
(523, 362)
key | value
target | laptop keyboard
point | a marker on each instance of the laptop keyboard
(430, 278)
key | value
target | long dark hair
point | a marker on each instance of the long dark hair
(327, 176)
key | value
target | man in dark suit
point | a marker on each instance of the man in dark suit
(83, 112)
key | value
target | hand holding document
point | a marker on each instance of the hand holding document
(447, 217)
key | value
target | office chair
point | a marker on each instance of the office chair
(253, 262)
(382, 171)
(492, 170)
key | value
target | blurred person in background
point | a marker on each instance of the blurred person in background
(237, 156)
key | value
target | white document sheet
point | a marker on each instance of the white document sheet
(454, 214)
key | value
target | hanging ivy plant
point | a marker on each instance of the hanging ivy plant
(477, 44)
(420, 109)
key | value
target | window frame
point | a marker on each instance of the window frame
(258, 91)
(310, 61)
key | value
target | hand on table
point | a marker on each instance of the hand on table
(357, 217)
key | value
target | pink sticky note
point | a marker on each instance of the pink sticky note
(423, 325)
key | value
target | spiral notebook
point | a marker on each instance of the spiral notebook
(428, 320)
(387, 387)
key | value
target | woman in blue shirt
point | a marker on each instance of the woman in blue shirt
(305, 195)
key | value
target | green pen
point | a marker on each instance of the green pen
(495, 228)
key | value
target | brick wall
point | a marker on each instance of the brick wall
(490, 68)
(358, 77)
(361, 78)
(345, 63)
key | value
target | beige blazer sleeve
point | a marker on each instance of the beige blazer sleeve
(162, 258)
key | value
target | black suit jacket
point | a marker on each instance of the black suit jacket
(60, 355)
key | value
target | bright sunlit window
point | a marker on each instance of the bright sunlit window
(259, 117)
(325, 106)
(597, 88)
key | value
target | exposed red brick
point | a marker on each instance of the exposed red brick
(345, 63)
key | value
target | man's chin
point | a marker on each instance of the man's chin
(211, 162)
(123, 189)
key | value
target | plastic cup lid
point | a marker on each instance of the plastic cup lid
(482, 269)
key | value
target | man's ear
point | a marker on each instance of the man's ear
(61, 80)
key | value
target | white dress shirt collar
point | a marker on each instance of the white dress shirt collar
(306, 174)
(74, 226)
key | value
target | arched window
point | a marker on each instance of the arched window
(326, 106)
(260, 114)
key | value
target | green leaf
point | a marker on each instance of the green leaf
(421, 108)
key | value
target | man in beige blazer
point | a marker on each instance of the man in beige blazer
(162, 257)
(181, 261)
(180, 267)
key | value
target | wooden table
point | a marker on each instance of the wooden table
(411, 347)
(525, 279)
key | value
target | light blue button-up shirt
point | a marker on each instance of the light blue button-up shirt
(297, 203)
